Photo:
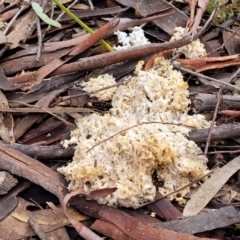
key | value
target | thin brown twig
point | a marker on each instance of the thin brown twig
(213, 122)
(177, 65)
(39, 33)
(58, 110)
(224, 43)
(32, 26)
(23, 7)
(226, 151)
(43, 109)
(234, 76)
(60, 15)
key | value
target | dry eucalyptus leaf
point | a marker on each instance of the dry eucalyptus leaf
(2, 37)
(18, 33)
(7, 206)
(15, 225)
(6, 122)
(210, 188)
(96, 194)
(218, 218)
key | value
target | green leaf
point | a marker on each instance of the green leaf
(39, 11)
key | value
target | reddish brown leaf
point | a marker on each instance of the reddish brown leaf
(203, 64)
(230, 113)
(95, 195)
(164, 208)
(136, 230)
(110, 230)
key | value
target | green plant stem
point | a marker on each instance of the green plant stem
(82, 24)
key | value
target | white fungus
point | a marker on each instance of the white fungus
(135, 38)
(143, 135)
(195, 49)
(94, 84)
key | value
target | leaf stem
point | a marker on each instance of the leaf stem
(82, 24)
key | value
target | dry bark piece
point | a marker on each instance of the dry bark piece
(126, 23)
(48, 220)
(26, 122)
(223, 131)
(16, 162)
(18, 64)
(5, 85)
(46, 132)
(110, 230)
(37, 229)
(207, 102)
(29, 168)
(79, 101)
(91, 13)
(56, 110)
(108, 59)
(20, 164)
(18, 33)
(9, 14)
(48, 86)
(41, 73)
(81, 229)
(6, 122)
(208, 63)
(6, 207)
(43, 152)
(210, 187)
(7, 182)
(2, 38)
(60, 234)
(140, 216)
(230, 45)
(103, 60)
(136, 230)
(54, 89)
(96, 194)
(53, 46)
(217, 218)
(230, 113)
(164, 208)
(149, 7)
(211, 50)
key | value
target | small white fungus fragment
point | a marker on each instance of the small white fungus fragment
(195, 49)
(135, 38)
(101, 81)
(107, 155)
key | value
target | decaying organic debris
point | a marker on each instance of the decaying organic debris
(142, 135)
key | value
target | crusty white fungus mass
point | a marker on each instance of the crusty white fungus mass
(143, 135)
(195, 49)
(135, 38)
(101, 81)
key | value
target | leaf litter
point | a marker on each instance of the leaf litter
(39, 108)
